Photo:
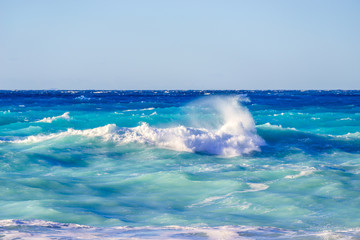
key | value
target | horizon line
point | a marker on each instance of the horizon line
(94, 89)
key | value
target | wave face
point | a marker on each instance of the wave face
(179, 164)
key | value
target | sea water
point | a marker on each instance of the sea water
(180, 164)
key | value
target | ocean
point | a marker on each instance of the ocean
(179, 164)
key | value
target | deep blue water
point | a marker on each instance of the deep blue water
(180, 164)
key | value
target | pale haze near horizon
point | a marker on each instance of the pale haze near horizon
(90, 44)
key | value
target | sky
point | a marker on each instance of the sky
(179, 44)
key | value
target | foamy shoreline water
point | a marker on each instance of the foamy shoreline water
(38, 229)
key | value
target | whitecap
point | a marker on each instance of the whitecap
(106, 132)
(134, 110)
(280, 127)
(83, 98)
(51, 119)
(349, 135)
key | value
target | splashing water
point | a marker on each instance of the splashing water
(235, 133)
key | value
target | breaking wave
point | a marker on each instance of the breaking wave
(233, 134)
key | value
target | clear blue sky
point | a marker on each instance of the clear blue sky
(179, 44)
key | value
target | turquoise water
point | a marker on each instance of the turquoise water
(180, 164)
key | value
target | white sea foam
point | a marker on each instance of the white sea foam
(51, 119)
(254, 187)
(194, 140)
